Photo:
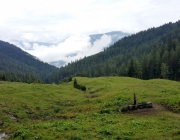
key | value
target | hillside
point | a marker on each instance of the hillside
(154, 53)
(42, 111)
(15, 63)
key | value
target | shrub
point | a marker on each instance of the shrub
(83, 88)
(80, 87)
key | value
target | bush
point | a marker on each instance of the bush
(83, 88)
(80, 87)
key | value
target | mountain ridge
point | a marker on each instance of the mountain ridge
(147, 55)
(15, 60)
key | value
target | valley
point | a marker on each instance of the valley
(90, 70)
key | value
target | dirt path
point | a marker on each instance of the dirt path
(148, 111)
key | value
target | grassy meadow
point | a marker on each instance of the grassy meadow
(61, 112)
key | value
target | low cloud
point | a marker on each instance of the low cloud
(71, 49)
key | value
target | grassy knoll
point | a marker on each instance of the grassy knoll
(49, 112)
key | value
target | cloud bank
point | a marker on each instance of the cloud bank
(72, 48)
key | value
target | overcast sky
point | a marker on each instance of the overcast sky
(66, 23)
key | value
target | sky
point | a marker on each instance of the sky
(64, 25)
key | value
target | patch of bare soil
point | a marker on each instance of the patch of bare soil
(148, 111)
(3, 136)
(13, 117)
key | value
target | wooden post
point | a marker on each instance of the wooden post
(134, 99)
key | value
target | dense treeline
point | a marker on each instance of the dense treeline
(15, 77)
(14, 61)
(154, 53)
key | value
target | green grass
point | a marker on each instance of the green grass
(51, 112)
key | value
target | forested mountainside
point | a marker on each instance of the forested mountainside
(114, 36)
(153, 53)
(17, 65)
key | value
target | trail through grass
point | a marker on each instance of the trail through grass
(41, 111)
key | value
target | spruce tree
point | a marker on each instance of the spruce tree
(75, 82)
(3, 78)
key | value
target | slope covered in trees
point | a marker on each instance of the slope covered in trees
(153, 53)
(17, 65)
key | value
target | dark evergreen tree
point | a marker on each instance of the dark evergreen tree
(131, 70)
(3, 78)
(164, 70)
(75, 82)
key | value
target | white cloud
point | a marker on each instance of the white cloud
(98, 45)
(90, 16)
(26, 46)
(56, 21)
(78, 45)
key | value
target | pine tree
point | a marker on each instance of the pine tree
(131, 70)
(3, 78)
(75, 82)
(164, 70)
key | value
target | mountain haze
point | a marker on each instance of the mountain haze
(70, 48)
(114, 37)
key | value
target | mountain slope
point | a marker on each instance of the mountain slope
(14, 60)
(153, 53)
